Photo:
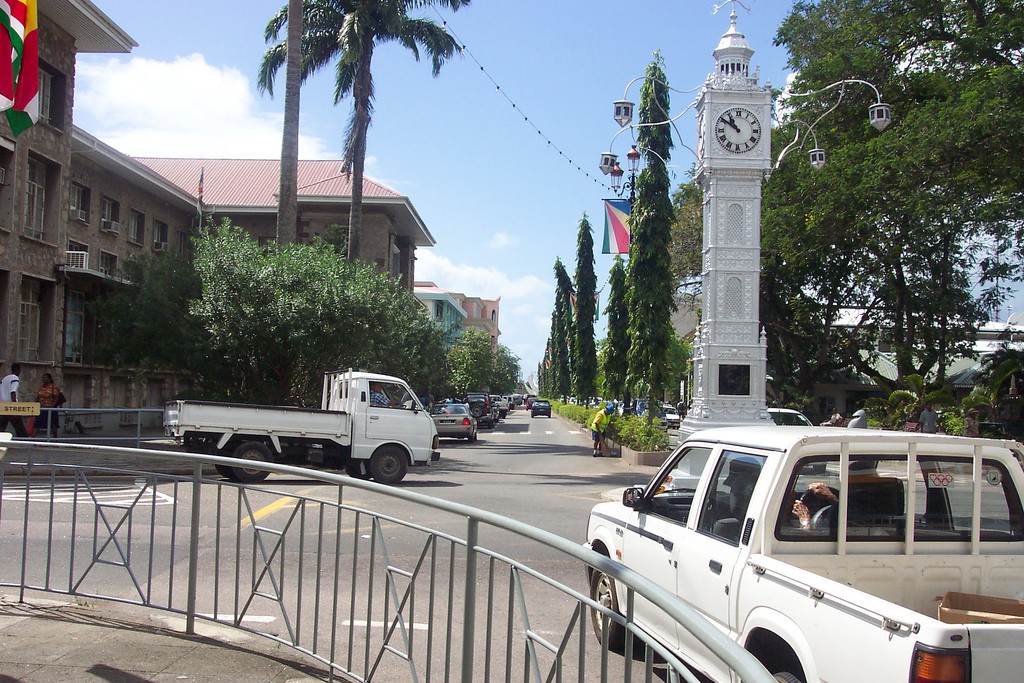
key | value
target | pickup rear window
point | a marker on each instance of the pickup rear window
(879, 494)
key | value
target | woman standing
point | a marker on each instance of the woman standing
(50, 398)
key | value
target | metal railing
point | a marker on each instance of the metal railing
(130, 427)
(376, 583)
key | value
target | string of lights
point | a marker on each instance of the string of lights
(518, 110)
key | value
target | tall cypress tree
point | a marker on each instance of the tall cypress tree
(616, 364)
(584, 351)
(649, 275)
(562, 331)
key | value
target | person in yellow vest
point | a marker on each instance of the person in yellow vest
(598, 426)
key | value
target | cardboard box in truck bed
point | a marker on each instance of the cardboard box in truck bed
(967, 608)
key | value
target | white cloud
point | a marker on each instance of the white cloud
(502, 239)
(525, 314)
(181, 108)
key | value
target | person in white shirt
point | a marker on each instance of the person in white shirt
(9, 393)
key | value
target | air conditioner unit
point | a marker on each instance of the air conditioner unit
(111, 226)
(159, 246)
(80, 214)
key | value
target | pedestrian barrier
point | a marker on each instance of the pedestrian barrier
(376, 583)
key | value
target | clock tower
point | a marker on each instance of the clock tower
(734, 153)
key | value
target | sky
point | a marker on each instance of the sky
(498, 154)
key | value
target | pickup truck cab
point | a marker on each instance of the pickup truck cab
(826, 552)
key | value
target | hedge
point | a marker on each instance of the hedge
(627, 430)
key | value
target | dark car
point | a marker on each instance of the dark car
(540, 408)
(480, 407)
(453, 420)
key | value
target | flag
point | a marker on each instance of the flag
(572, 300)
(199, 192)
(20, 85)
(616, 226)
(597, 306)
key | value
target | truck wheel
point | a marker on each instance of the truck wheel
(602, 591)
(226, 472)
(388, 465)
(251, 450)
(357, 469)
(786, 677)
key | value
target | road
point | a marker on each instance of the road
(536, 470)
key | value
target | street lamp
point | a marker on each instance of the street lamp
(610, 162)
(879, 116)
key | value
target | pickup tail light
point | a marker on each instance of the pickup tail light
(933, 665)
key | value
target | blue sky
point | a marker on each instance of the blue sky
(502, 200)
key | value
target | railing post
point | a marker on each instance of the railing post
(469, 606)
(193, 548)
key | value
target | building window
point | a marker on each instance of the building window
(110, 215)
(35, 199)
(438, 310)
(74, 326)
(108, 263)
(182, 246)
(137, 227)
(160, 230)
(79, 202)
(51, 96)
(28, 320)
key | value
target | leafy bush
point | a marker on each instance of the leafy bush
(627, 430)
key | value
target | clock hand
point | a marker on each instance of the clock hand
(732, 122)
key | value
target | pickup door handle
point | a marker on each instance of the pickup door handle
(375, 417)
(715, 566)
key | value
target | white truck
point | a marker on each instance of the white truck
(372, 425)
(830, 554)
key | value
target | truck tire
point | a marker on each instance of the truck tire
(357, 469)
(251, 450)
(786, 677)
(602, 591)
(389, 464)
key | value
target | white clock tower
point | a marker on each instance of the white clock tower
(734, 153)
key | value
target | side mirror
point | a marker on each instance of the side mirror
(631, 496)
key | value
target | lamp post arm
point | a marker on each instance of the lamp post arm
(809, 93)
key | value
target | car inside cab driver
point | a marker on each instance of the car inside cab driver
(812, 507)
(378, 398)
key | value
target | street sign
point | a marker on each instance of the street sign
(19, 408)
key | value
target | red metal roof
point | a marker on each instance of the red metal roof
(255, 182)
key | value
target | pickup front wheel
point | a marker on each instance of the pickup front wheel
(250, 450)
(388, 465)
(786, 677)
(602, 591)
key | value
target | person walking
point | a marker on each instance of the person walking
(928, 419)
(598, 426)
(9, 394)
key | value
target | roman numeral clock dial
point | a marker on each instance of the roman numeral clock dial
(738, 130)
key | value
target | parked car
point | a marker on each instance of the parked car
(452, 420)
(788, 417)
(671, 417)
(501, 404)
(482, 409)
(540, 407)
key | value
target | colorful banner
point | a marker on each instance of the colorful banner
(616, 226)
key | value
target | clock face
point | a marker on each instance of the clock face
(738, 130)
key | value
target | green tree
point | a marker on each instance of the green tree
(471, 363)
(919, 226)
(135, 318)
(348, 32)
(650, 289)
(616, 362)
(584, 351)
(562, 332)
(278, 318)
(506, 370)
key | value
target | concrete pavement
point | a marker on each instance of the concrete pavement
(46, 640)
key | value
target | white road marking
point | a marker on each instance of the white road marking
(380, 624)
(104, 494)
(231, 618)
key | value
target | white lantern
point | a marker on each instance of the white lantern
(623, 112)
(608, 162)
(817, 158)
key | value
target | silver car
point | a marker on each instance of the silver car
(453, 420)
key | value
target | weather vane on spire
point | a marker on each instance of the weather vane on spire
(734, 3)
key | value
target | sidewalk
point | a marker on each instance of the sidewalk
(51, 640)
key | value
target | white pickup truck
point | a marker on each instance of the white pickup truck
(372, 425)
(830, 554)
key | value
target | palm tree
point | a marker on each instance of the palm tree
(347, 31)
